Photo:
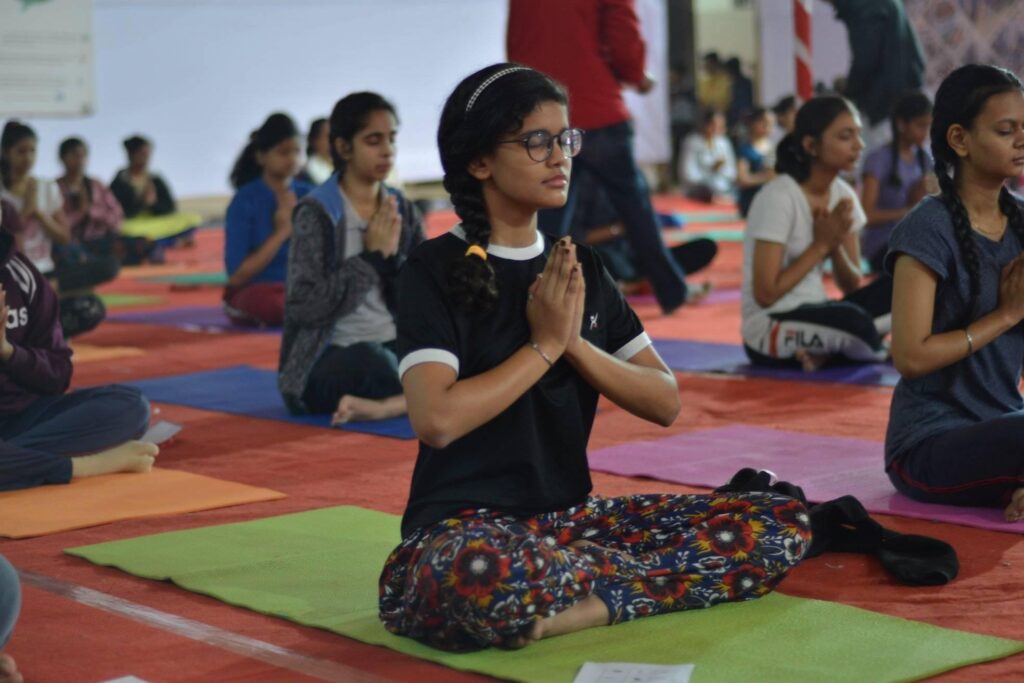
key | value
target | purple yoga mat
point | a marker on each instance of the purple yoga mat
(730, 359)
(826, 467)
(198, 318)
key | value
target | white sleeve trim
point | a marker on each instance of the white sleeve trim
(428, 356)
(639, 343)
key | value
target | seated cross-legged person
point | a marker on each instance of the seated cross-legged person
(351, 236)
(259, 223)
(47, 436)
(507, 340)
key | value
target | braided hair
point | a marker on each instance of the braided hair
(909, 107)
(959, 100)
(463, 137)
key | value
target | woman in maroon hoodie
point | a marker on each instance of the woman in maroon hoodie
(47, 436)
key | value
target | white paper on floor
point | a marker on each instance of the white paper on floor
(627, 672)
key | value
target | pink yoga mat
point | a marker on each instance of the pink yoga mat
(826, 467)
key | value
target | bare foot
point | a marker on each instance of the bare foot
(9, 670)
(356, 409)
(810, 362)
(131, 456)
(587, 613)
(695, 295)
(1015, 510)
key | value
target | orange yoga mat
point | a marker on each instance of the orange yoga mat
(87, 353)
(115, 497)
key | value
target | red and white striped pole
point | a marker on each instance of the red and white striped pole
(802, 48)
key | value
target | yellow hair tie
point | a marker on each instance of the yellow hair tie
(476, 250)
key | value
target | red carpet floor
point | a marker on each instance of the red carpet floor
(81, 622)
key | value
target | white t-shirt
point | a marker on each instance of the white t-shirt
(699, 159)
(781, 213)
(36, 244)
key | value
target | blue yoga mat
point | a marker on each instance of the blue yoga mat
(249, 391)
(730, 359)
(198, 318)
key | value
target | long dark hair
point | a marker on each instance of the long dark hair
(464, 136)
(349, 117)
(959, 100)
(909, 107)
(275, 130)
(812, 120)
(314, 132)
(14, 132)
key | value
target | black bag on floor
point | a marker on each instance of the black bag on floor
(844, 526)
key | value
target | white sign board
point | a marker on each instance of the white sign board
(46, 58)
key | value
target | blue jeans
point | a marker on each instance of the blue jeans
(607, 156)
(366, 369)
(10, 600)
(36, 445)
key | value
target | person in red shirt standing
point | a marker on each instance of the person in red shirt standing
(594, 48)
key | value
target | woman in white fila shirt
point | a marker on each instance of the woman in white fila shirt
(805, 216)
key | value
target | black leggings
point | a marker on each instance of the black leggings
(366, 369)
(981, 464)
(845, 329)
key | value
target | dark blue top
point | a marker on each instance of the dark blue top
(250, 222)
(745, 196)
(980, 387)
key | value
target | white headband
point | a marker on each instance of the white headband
(493, 77)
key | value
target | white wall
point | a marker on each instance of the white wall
(198, 75)
(653, 140)
(829, 43)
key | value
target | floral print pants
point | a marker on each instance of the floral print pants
(482, 578)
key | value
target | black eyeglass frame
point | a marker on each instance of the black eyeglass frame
(563, 137)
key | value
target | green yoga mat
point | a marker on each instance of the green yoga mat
(320, 568)
(128, 300)
(197, 279)
(160, 227)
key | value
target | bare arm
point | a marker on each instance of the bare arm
(55, 225)
(831, 234)
(443, 408)
(916, 350)
(772, 281)
(644, 385)
(846, 264)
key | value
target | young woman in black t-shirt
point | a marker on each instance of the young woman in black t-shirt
(506, 340)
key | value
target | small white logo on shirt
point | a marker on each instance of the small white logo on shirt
(593, 321)
(16, 317)
(23, 276)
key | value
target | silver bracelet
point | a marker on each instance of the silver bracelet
(970, 342)
(547, 359)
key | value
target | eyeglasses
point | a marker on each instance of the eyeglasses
(540, 144)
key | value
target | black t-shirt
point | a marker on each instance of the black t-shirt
(532, 457)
